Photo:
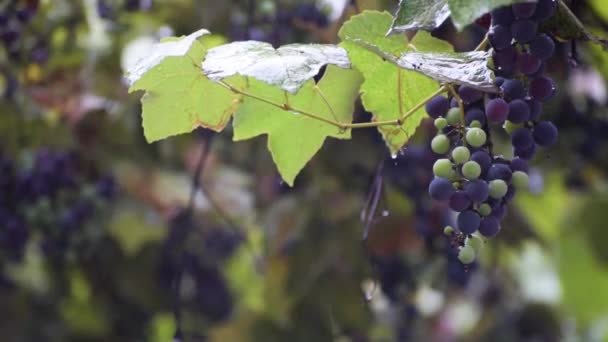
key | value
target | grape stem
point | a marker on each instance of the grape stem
(346, 126)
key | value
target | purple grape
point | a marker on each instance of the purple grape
(513, 89)
(477, 190)
(502, 16)
(441, 189)
(524, 30)
(469, 94)
(541, 88)
(505, 59)
(500, 37)
(499, 171)
(518, 164)
(545, 133)
(459, 201)
(544, 9)
(510, 193)
(527, 153)
(497, 110)
(524, 10)
(528, 64)
(499, 81)
(468, 221)
(499, 211)
(489, 226)
(475, 114)
(540, 71)
(437, 106)
(535, 109)
(521, 138)
(519, 111)
(542, 46)
(483, 159)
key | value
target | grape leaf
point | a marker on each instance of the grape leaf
(294, 138)
(420, 14)
(430, 14)
(178, 96)
(564, 25)
(288, 67)
(464, 12)
(388, 91)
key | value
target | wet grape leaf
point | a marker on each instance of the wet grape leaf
(388, 91)
(430, 14)
(287, 67)
(420, 14)
(293, 138)
(178, 97)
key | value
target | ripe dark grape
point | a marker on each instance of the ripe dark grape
(441, 189)
(477, 190)
(519, 111)
(524, 10)
(527, 153)
(513, 89)
(518, 164)
(489, 226)
(528, 64)
(502, 16)
(499, 211)
(535, 107)
(437, 106)
(505, 59)
(499, 171)
(542, 46)
(522, 138)
(541, 88)
(545, 133)
(500, 37)
(469, 94)
(475, 114)
(459, 201)
(468, 221)
(544, 9)
(483, 159)
(524, 30)
(497, 110)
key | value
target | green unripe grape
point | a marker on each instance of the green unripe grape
(476, 137)
(461, 154)
(484, 209)
(471, 170)
(440, 144)
(510, 127)
(498, 188)
(520, 180)
(448, 230)
(442, 168)
(466, 255)
(475, 123)
(454, 116)
(474, 241)
(441, 123)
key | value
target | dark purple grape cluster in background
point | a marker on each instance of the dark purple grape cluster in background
(55, 195)
(477, 183)
(14, 19)
(108, 9)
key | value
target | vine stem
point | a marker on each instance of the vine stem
(345, 126)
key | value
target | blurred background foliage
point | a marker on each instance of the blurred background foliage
(102, 237)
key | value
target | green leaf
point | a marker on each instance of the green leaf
(430, 14)
(564, 25)
(389, 91)
(464, 12)
(179, 98)
(287, 67)
(420, 14)
(294, 138)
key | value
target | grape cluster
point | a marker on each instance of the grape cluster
(55, 195)
(108, 9)
(477, 183)
(14, 18)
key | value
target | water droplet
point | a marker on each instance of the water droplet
(394, 156)
(385, 213)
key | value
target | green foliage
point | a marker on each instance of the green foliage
(388, 91)
(294, 138)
